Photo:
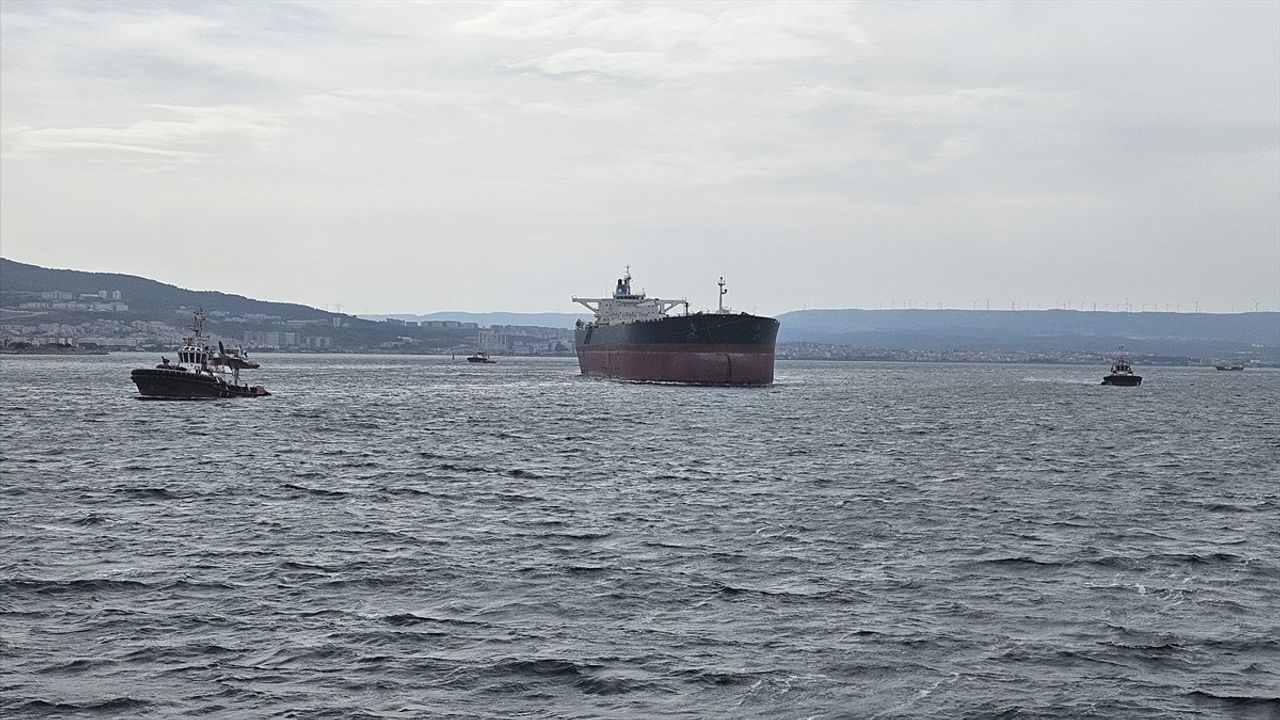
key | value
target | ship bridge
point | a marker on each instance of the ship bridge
(627, 307)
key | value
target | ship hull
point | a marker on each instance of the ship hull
(1123, 380)
(702, 349)
(169, 384)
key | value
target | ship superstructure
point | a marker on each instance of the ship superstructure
(626, 306)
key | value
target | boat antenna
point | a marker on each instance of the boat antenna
(720, 300)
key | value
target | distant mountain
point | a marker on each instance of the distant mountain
(1254, 335)
(1191, 334)
(141, 294)
(552, 320)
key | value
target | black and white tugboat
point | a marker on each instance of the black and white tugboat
(482, 357)
(1122, 374)
(633, 338)
(198, 373)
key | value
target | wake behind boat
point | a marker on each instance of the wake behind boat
(198, 373)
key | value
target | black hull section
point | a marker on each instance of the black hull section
(1123, 380)
(172, 384)
(706, 349)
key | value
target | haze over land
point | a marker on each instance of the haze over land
(415, 157)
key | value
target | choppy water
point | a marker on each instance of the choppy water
(420, 537)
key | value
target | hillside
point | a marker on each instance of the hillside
(143, 295)
(551, 320)
(1254, 337)
(1190, 334)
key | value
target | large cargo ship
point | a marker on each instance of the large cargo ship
(633, 338)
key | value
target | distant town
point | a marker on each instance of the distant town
(103, 321)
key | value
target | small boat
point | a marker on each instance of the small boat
(482, 358)
(198, 373)
(1122, 374)
(237, 357)
(1230, 366)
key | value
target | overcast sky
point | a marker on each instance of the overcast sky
(414, 157)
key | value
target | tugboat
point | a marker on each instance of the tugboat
(199, 373)
(1122, 374)
(633, 338)
(482, 358)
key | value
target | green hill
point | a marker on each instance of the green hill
(143, 296)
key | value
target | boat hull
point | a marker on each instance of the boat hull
(702, 349)
(186, 385)
(1123, 380)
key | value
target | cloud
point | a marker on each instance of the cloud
(185, 133)
(413, 129)
(951, 104)
(668, 44)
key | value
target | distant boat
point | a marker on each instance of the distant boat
(482, 358)
(1230, 366)
(1122, 374)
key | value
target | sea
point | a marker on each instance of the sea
(421, 537)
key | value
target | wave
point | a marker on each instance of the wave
(410, 619)
(150, 493)
(454, 467)
(1222, 507)
(588, 677)
(90, 520)
(58, 587)
(79, 665)
(319, 492)
(109, 707)
(720, 678)
(1259, 706)
(1019, 561)
(728, 590)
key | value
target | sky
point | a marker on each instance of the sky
(411, 157)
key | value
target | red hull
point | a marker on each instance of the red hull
(698, 364)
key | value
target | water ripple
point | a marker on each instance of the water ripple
(415, 537)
